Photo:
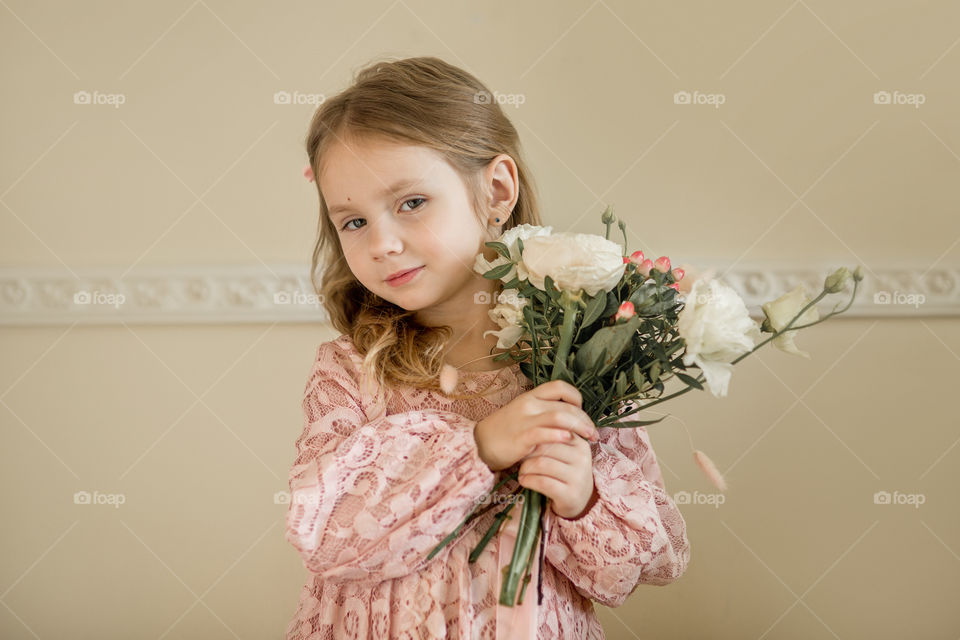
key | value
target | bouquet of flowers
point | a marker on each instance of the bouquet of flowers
(579, 308)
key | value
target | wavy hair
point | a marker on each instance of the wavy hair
(420, 101)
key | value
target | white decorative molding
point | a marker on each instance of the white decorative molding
(225, 294)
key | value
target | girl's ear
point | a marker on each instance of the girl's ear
(502, 182)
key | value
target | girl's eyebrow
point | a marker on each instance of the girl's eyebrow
(397, 186)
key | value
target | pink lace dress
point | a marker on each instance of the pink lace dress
(373, 492)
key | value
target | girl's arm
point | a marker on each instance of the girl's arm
(633, 534)
(369, 500)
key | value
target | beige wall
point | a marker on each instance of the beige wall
(195, 424)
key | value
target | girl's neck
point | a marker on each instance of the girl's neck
(461, 362)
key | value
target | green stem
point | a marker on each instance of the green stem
(471, 516)
(541, 499)
(566, 340)
(526, 535)
(790, 326)
(498, 521)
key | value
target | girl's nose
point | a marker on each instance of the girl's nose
(384, 237)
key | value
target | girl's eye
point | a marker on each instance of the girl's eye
(414, 200)
(421, 200)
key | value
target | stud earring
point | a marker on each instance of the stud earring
(497, 220)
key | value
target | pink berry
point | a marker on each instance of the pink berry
(626, 310)
(636, 257)
(662, 264)
(678, 274)
(645, 267)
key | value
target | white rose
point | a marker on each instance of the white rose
(716, 327)
(509, 315)
(779, 312)
(574, 261)
(509, 237)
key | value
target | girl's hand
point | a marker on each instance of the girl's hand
(562, 471)
(548, 413)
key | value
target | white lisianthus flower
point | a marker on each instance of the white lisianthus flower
(779, 312)
(574, 261)
(717, 328)
(509, 237)
(509, 315)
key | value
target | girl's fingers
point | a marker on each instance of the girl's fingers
(558, 390)
(544, 484)
(546, 465)
(573, 419)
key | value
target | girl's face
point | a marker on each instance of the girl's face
(399, 207)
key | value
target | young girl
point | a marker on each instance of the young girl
(416, 168)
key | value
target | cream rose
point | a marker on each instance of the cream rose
(509, 315)
(717, 329)
(779, 312)
(574, 261)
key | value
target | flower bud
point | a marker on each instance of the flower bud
(662, 264)
(607, 216)
(645, 267)
(678, 274)
(858, 274)
(836, 280)
(625, 311)
(636, 257)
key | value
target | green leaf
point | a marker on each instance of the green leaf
(551, 289)
(500, 248)
(637, 376)
(690, 381)
(611, 341)
(520, 244)
(640, 423)
(621, 384)
(594, 308)
(613, 303)
(654, 372)
(498, 272)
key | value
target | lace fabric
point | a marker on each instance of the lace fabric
(372, 496)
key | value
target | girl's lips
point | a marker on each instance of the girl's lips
(406, 277)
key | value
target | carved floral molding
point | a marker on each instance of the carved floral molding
(226, 294)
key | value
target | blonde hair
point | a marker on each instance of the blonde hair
(421, 101)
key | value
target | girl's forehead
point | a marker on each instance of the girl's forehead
(389, 162)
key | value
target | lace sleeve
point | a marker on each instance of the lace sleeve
(633, 534)
(369, 500)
